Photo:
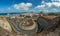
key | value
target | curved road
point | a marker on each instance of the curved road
(16, 28)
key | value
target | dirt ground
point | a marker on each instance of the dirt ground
(56, 32)
(6, 33)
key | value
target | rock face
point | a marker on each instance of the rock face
(46, 24)
(5, 24)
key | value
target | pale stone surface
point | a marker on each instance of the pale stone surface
(4, 24)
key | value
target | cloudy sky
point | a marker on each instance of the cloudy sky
(29, 6)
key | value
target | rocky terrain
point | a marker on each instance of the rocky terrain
(56, 32)
(3, 32)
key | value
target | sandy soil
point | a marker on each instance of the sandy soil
(6, 33)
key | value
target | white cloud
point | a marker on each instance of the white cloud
(53, 4)
(23, 6)
(43, 2)
(40, 6)
(44, 6)
(57, 4)
(48, 5)
(55, 0)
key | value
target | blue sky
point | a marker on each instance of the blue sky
(29, 6)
